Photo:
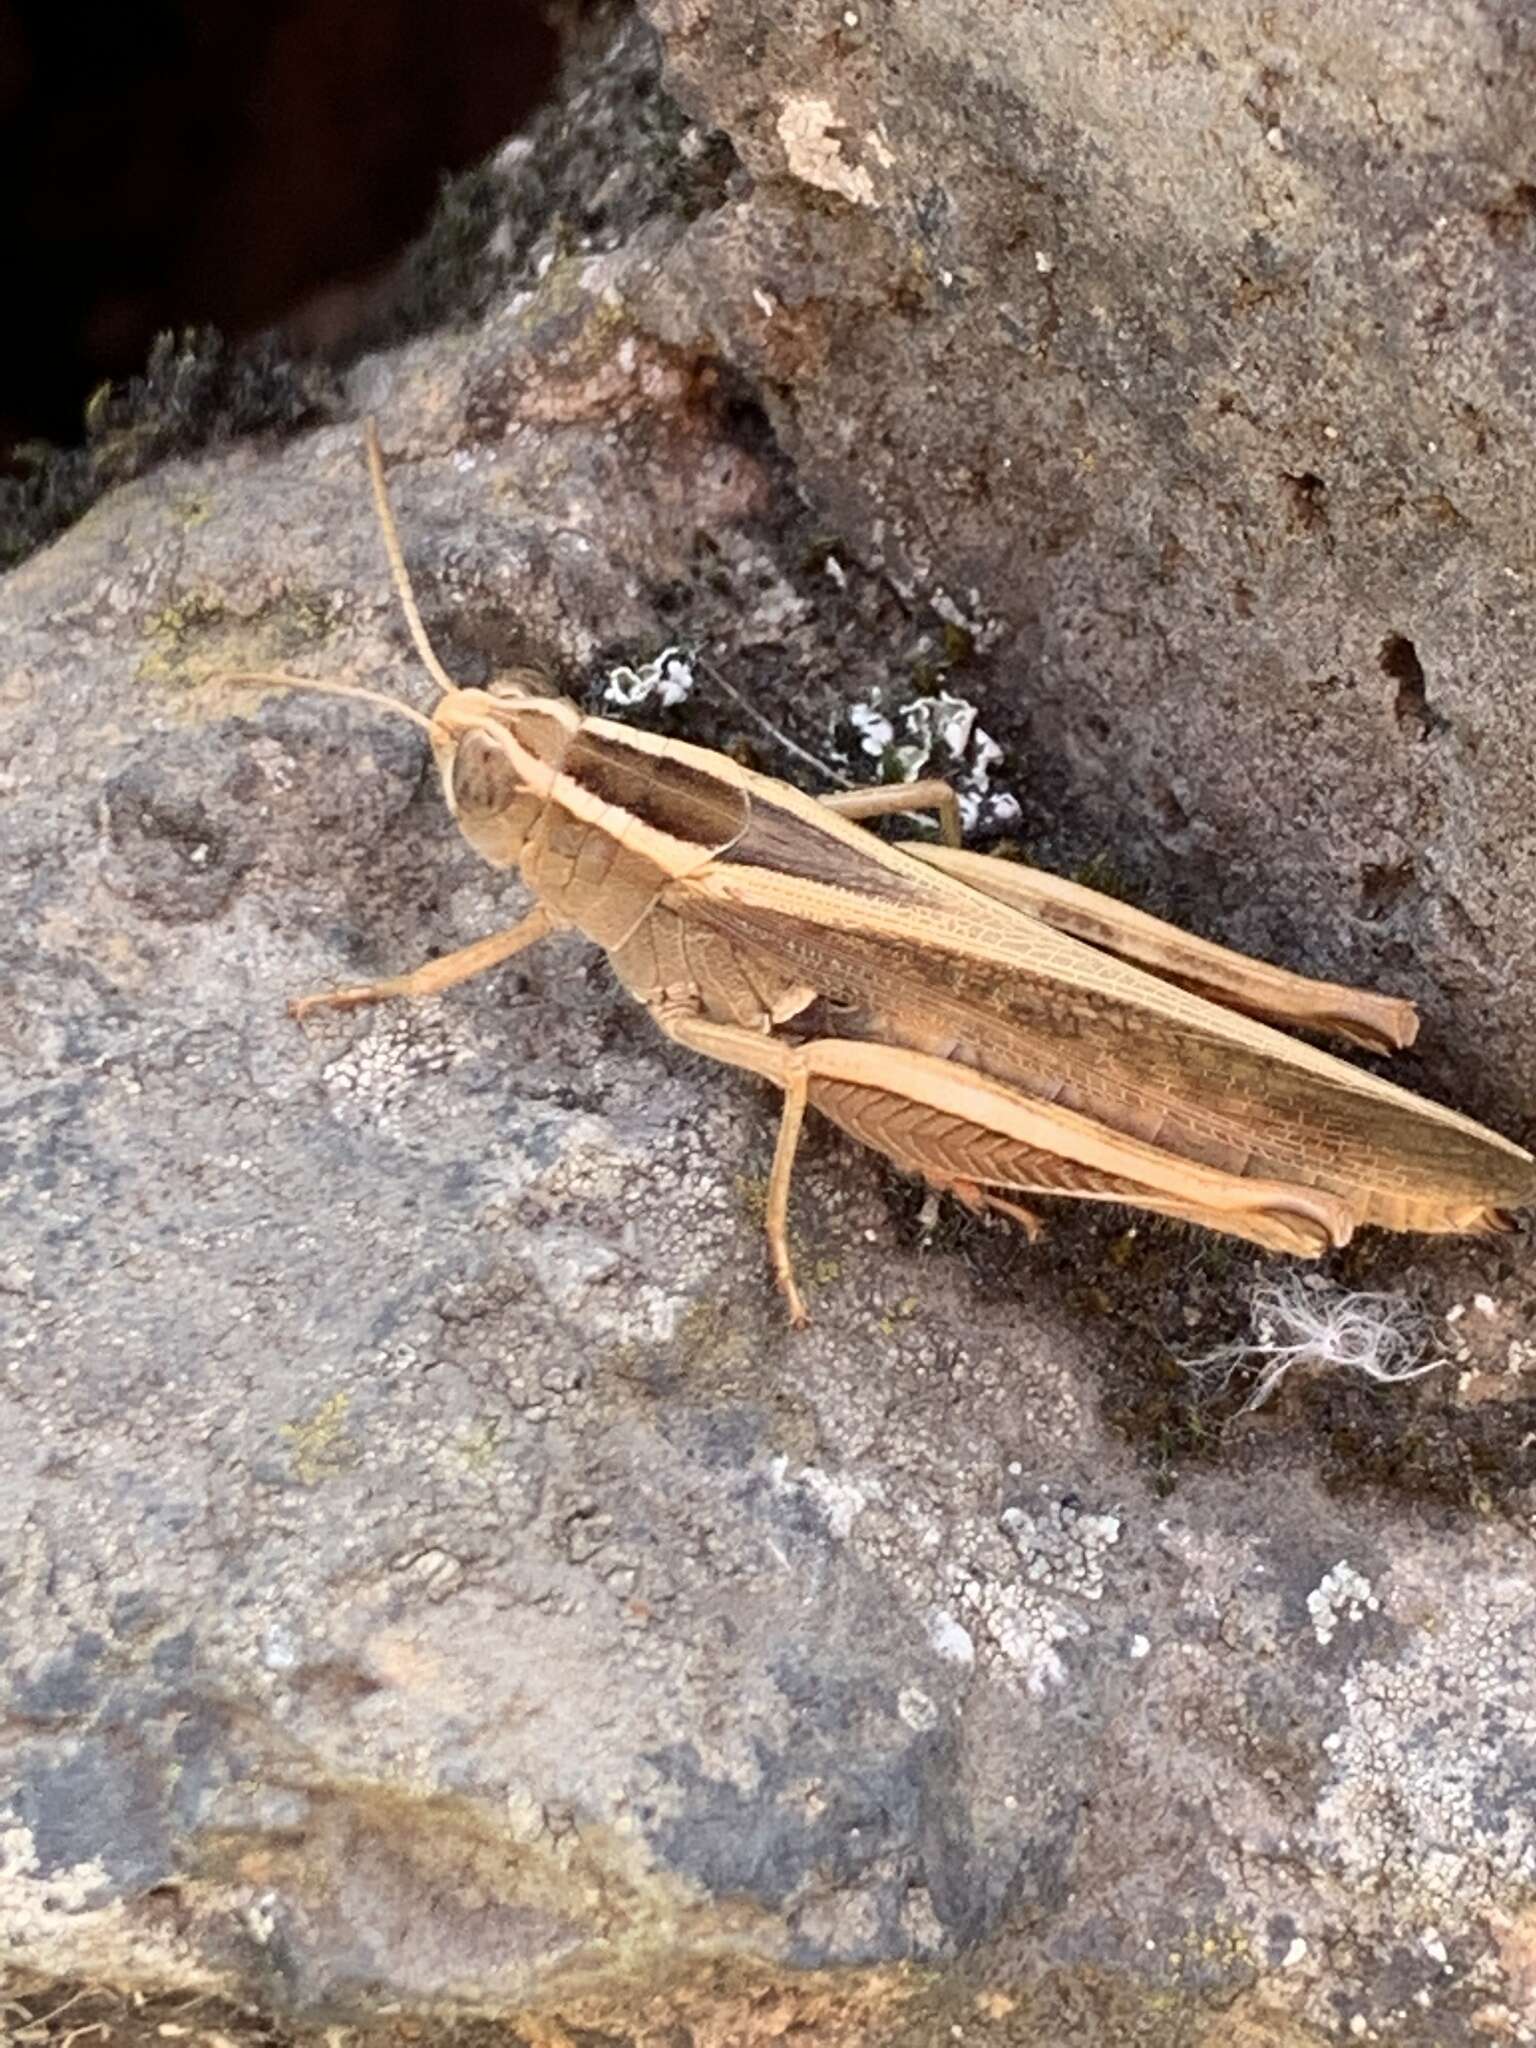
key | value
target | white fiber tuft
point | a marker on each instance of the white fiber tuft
(1381, 1337)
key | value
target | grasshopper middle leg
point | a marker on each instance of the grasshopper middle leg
(880, 799)
(790, 1068)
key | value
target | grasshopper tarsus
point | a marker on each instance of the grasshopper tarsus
(1033, 1226)
(300, 1007)
(358, 998)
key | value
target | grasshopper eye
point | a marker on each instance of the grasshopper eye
(484, 780)
(517, 686)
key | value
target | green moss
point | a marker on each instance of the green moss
(959, 645)
(988, 1998)
(445, 277)
(1101, 873)
(318, 1443)
(899, 1312)
(197, 635)
(927, 675)
(709, 1336)
(173, 622)
(191, 508)
(480, 1443)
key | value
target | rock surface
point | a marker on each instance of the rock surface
(429, 1571)
(1185, 351)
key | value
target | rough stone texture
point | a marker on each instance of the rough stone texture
(1187, 350)
(429, 1571)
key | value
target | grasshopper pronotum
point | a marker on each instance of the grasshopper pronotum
(987, 1027)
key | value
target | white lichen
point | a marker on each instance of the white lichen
(383, 1067)
(1302, 1321)
(875, 730)
(667, 680)
(838, 1497)
(812, 133)
(1063, 1547)
(1023, 1627)
(938, 735)
(1425, 1794)
(950, 1638)
(1024, 1621)
(1342, 1594)
(917, 1710)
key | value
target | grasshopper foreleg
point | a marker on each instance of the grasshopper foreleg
(430, 980)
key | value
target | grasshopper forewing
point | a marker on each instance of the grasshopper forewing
(993, 1030)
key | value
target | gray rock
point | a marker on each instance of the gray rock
(429, 1570)
(1184, 356)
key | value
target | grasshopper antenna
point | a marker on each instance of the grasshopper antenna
(396, 554)
(279, 679)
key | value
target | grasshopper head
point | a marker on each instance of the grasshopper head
(498, 752)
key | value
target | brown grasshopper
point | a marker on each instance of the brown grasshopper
(992, 1029)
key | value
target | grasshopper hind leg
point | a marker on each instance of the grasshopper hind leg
(788, 1067)
(967, 1138)
(882, 799)
(960, 1130)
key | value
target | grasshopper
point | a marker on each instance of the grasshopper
(992, 1029)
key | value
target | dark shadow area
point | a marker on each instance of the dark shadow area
(177, 165)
